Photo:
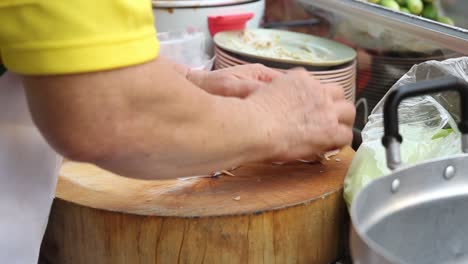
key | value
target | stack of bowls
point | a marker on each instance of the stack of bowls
(326, 60)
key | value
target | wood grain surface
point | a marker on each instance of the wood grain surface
(285, 214)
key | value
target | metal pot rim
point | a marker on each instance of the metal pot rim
(400, 174)
(197, 3)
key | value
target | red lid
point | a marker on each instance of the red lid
(228, 22)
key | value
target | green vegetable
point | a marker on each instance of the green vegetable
(443, 133)
(415, 6)
(445, 20)
(402, 3)
(405, 10)
(430, 12)
(424, 8)
(390, 4)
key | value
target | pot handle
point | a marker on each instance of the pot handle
(392, 138)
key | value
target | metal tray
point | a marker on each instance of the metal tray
(445, 36)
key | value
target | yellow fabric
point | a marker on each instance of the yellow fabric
(73, 36)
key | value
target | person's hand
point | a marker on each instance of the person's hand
(304, 117)
(238, 81)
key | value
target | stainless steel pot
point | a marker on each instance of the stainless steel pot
(417, 214)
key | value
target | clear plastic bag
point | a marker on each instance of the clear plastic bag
(427, 124)
(185, 47)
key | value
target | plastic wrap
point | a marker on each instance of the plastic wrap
(185, 47)
(427, 124)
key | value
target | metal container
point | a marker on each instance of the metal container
(187, 14)
(377, 28)
(417, 214)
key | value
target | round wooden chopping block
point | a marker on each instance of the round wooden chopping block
(291, 213)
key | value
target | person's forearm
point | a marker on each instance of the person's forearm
(146, 121)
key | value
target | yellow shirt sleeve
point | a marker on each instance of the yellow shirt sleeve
(40, 37)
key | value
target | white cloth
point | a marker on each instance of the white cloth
(28, 175)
